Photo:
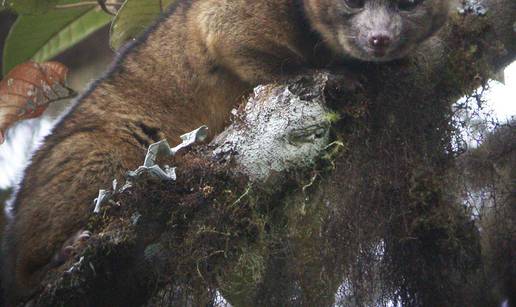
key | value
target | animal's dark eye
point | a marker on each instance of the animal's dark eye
(408, 5)
(355, 4)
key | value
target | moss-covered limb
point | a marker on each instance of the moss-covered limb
(422, 148)
(395, 229)
(489, 179)
(185, 234)
(180, 240)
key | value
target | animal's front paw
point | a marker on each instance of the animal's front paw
(71, 247)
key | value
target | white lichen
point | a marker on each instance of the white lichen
(167, 173)
(277, 131)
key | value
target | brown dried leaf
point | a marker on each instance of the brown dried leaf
(28, 89)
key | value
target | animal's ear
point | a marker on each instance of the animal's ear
(28, 89)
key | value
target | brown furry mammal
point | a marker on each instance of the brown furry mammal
(189, 70)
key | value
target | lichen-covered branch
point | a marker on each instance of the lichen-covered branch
(175, 230)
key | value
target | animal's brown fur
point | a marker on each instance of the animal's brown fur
(191, 69)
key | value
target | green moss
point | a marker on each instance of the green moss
(332, 117)
(240, 282)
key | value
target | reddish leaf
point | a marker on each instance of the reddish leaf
(28, 89)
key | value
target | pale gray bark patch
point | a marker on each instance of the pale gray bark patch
(278, 130)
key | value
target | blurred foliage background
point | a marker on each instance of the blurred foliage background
(44, 29)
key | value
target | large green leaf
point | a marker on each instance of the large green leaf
(34, 7)
(41, 37)
(133, 18)
(29, 6)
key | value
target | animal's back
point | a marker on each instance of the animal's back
(155, 91)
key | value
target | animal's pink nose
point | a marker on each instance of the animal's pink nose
(380, 41)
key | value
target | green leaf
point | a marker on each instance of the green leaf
(34, 7)
(133, 18)
(41, 37)
(29, 6)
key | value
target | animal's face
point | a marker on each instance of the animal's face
(376, 30)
